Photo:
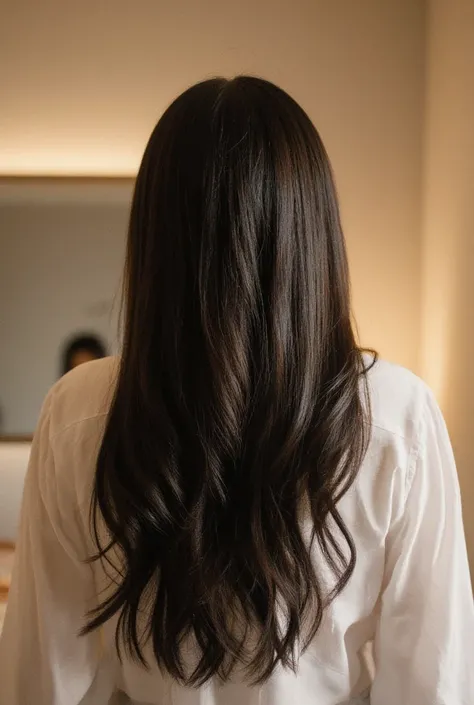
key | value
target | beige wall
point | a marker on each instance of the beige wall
(83, 83)
(448, 244)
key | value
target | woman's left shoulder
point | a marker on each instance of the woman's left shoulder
(83, 394)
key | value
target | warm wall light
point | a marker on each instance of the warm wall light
(70, 162)
(435, 354)
(439, 286)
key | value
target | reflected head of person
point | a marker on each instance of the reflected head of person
(80, 349)
(232, 509)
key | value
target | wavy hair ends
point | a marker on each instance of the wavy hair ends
(239, 405)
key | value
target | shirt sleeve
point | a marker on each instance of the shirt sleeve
(424, 647)
(43, 660)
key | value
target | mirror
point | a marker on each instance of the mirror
(62, 243)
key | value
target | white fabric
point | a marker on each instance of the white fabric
(410, 592)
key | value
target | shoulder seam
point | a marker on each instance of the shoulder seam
(411, 468)
(387, 430)
(99, 415)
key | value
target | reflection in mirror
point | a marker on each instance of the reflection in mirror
(62, 249)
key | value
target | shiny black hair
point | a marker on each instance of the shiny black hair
(240, 409)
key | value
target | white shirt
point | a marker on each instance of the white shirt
(410, 592)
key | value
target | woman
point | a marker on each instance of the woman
(80, 349)
(229, 513)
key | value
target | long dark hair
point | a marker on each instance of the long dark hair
(240, 402)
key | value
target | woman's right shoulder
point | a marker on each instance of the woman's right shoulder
(399, 400)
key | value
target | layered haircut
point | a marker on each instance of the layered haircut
(241, 398)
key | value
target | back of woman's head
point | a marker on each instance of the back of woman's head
(238, 408)
(79, 349)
